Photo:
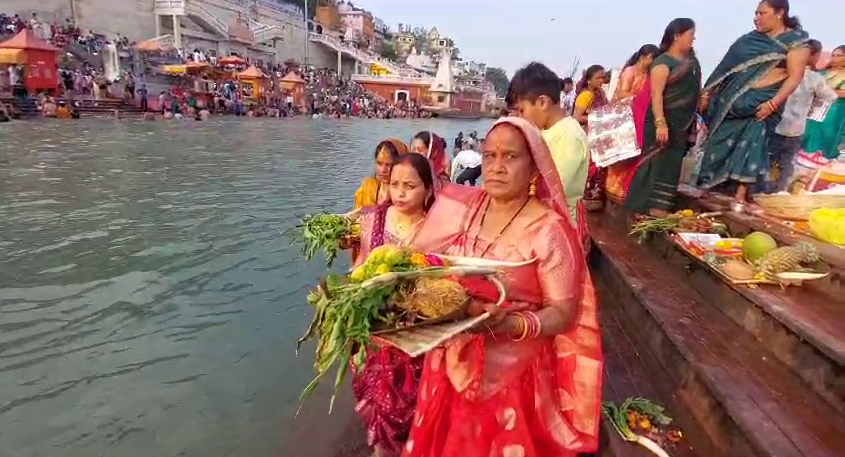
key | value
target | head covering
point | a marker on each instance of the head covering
(400, 146)
(549, 187)
(437, 154)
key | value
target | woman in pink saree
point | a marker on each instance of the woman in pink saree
(619, 175)
(529, 385)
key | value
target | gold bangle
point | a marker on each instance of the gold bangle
(523, 327)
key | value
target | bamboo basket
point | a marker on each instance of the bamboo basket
(798, 207)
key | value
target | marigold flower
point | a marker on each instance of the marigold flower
(419, 260)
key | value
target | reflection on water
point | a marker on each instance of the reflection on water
(148, 304)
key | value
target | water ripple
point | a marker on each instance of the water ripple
(147, 297)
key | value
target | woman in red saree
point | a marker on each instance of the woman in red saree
(433, 148)
(511, 391)
(386, 387)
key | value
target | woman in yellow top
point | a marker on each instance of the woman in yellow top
(374, 189)
(591, 97)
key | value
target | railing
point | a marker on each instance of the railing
(394, 78)
(268, 33)
(362, 56)
(264, 32)
(170, 7)
(166, 40)
(194, 8)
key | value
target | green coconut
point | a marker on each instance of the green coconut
(756, 245)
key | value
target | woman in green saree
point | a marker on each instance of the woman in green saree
(675, 85)
(826, 136)
(744, 97)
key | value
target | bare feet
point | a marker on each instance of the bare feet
(741, 193)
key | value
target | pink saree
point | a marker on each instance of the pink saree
(480, 395)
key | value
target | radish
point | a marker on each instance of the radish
(618, 418)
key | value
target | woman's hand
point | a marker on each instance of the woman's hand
(764, 110)
(498, 322)
(662, 134)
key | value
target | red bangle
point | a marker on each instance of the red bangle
(772, 105)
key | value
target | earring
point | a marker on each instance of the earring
(532, 189)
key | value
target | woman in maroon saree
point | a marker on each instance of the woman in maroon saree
(386, 387)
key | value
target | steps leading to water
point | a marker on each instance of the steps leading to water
(738, 380)
(85, 106)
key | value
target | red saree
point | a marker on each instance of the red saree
(386, 387)
(484, 396)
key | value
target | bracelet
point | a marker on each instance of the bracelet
(534, 324)
(522, 325)
(772, 105)
(660, 122)
(530, 325)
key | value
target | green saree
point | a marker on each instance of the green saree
(736, 148)
(826, 136)
(655, 182)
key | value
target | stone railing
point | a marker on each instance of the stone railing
(362, 56)
(196, 9)
(411, 79)
(170, 7)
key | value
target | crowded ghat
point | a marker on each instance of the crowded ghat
(643, 260)
(159, 82)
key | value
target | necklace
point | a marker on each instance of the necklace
(501, 232)
(402, 226)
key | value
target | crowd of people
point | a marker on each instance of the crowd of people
(529, 385)
(327, 93)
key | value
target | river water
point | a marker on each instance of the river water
(149, 304)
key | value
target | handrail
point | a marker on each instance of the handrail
(363, 56)
(192, 6)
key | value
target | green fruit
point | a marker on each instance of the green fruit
(756, 245)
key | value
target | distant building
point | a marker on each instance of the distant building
(381, 33)
(404, 40)
(357, 24)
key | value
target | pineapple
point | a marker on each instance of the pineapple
(786, 258)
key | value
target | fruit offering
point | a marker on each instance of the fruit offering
(757, 245)
(393, 288)
(644, 422)
(784, 259)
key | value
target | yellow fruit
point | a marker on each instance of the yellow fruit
(359, 274)
(382, 269)
(687, 213)
(385, 254)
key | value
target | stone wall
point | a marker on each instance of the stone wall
(133, 18)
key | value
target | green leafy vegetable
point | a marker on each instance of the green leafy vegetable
(323, 231)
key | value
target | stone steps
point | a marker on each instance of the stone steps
(731, 393)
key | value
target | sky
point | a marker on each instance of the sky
(509, 34)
